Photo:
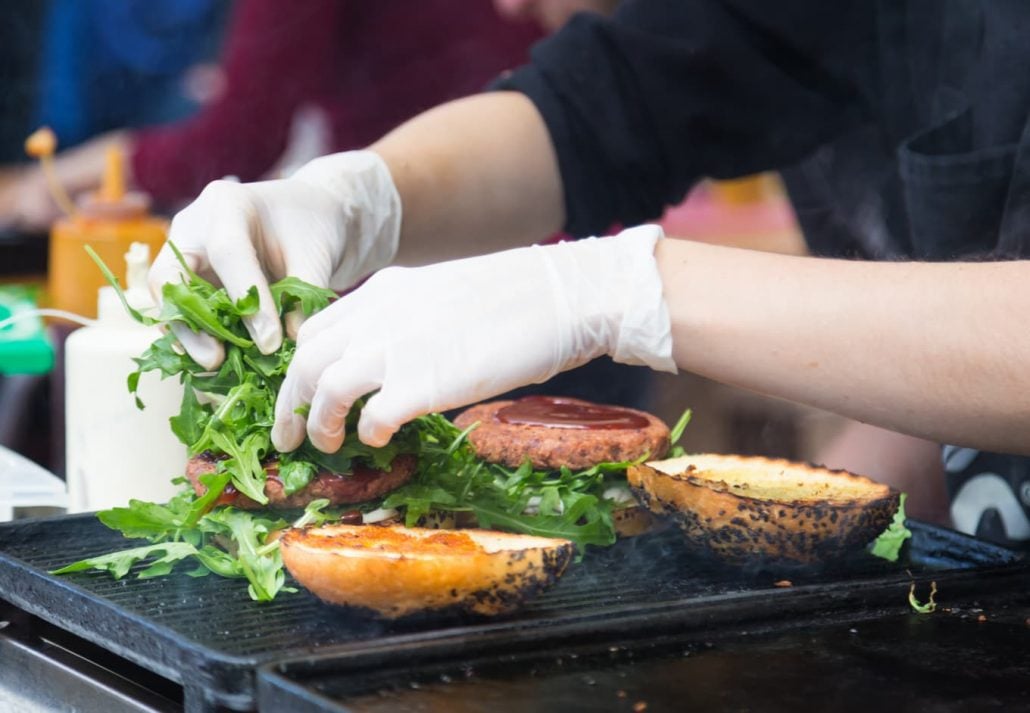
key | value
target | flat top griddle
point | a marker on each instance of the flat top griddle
(207, 635)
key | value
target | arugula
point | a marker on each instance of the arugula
(931, 603)
(677, 433)
(563, 503)
(888, 544)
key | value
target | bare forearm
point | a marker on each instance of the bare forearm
(936, 350)
(475, 175)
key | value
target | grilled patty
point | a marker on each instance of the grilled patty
(551, 448)
(362, 484)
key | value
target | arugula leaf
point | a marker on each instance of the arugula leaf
(109, 276)
(681, 425)
(143, 520)
(192, 420)
(213, 559)
(931, 605)
(888, 544)
(215, 484)
(249, 303)
(244, 463)
(296, 475)
(313, 513)
(119, 563)
(183, 304)
(289, 291)
(264, 570)
(676, 450)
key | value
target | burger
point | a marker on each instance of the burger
(361, 483)
(555, 434)
(540, 468)
(560, 440)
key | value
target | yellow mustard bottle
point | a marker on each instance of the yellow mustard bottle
(109, 220)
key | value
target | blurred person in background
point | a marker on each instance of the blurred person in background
(20, 31)
(365, 66)
(103, 65)
(108, 64)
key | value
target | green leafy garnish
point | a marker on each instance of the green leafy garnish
(290, 292)
(677, 433)
(562, 503)
(888, 544)
(917, 607)
(119, 563)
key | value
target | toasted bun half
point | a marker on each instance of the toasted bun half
(397, 571)
(746, 509)
(633, 520)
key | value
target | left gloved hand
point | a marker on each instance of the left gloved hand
(438, 337)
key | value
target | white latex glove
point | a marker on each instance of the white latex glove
(437, 337)
(332, 222)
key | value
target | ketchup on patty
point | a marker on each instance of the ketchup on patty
(559, 412)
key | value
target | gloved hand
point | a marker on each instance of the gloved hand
(438, 337)
(332, 222)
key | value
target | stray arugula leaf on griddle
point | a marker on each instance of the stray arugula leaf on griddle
(888, 544)
(919, 608)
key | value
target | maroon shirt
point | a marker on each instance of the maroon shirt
(369, 65)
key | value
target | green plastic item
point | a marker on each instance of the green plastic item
(25, 347)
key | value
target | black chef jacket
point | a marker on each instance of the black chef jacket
(900, 127)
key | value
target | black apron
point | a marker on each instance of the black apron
(941, 171)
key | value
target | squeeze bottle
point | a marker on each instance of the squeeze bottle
(114, 450)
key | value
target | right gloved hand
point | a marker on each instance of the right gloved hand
(437, 337)
(332, 222)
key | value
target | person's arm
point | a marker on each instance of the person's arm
(478, 174)
(933, 350)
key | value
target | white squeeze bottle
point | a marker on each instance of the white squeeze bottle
(114, 450)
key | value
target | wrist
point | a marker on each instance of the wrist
(614, 291)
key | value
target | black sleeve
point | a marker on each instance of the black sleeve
(642, 105)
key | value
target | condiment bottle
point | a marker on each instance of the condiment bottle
(114, 450)
(108, 220)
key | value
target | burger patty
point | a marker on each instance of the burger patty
(362, 484)
(550, 448)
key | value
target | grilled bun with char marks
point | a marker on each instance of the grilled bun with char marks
(396, 571)
(753, 509)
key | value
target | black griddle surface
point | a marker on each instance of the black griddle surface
(206, 634)
(947, 662)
